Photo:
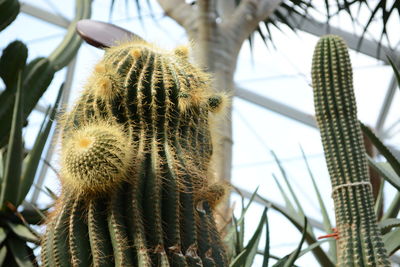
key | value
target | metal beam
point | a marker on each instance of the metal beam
(44, 15)
(276, 106)
(368, 47)
(53, 135)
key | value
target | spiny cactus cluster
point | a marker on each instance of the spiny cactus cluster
(360, 242)
(137, 185)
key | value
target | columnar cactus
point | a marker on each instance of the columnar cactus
(359, 242)
(137, 185)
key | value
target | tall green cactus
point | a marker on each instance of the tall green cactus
(136, 174)
(359, 242)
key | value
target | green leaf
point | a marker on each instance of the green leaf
(237, 242)
(23, 232)
(19, 251)
(266, 249)
(232, 232)
(246, 258)
(324, 212)
(325, 217)
(392, 241)
(379, 200)
(289, 260)
(34, 156)
(12, 61)
(3, 235)
(386, 172)
(9, 10)
(394, 207)
(288, 203)
(312, 246)
(388, 224)
(3, 254)
(320, 255)
(51, 193)
(1, 167)
(9, 188)
(382, 149)
(296, 200)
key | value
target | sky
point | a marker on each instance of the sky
(281, 73)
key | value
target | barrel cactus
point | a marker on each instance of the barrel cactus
(359, 239)
(136, 174)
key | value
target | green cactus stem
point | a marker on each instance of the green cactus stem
(137, 185)
(360, 242)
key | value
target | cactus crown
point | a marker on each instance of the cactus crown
(136, 176)
(156, 97)
(360, 242)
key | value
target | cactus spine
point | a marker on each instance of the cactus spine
(360, 242)
(136, 149)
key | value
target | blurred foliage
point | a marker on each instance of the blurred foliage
(25, 83)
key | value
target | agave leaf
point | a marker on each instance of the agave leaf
(392, 241)
(33, 158)
(23, 232)
(51, 193)
(288, 203)
(9, 189)
(386, 172)
(252, 246)
(237, 243)
(9, 10)
(3, 254)
(3, 235)
(312, 246)
(394, 207)
(302, 252)
(1, 168)
(320, 255)
(233, 231)
(379, 201)
(387, 224)
(325, 217)
(266, 249)
(289, 259)
(20, 251)
(292, 193)
(394, 163)
(246, 258)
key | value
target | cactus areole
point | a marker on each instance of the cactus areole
(136, 175)
(359, 241)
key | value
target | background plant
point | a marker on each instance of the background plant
(24, 85)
